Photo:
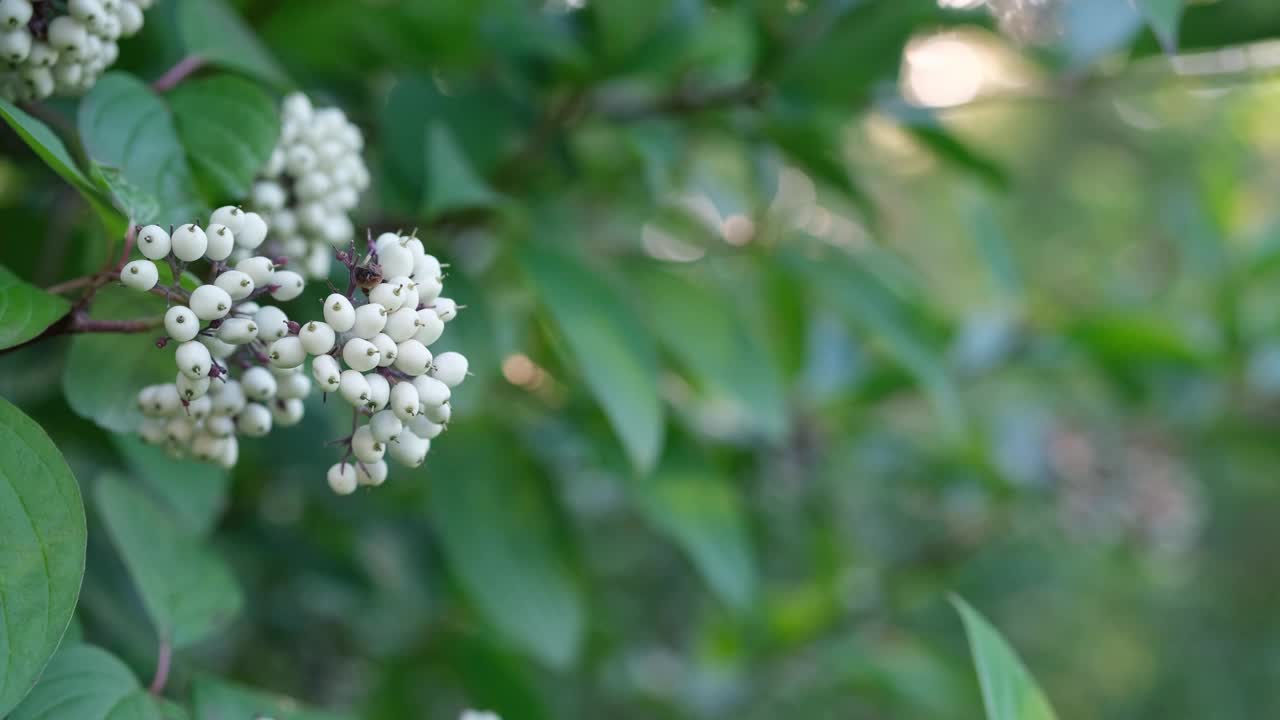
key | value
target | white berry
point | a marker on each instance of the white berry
(189, 242)
(354, 388)
(287, 352)
(404, 401)
(221, 242)
(449, 368)
(153, 242)
(210, 302)
(360, 354)
(385, 425)
(230, 216)
(339, 313)
(413, 358)
(258, 384)
(365, 447)
(289, 285)
(193, 359)
(260, 269)
(140, 275)
(253, 230)
(273, 324)
(254, 420)
(342, 478)
(327, 373)
(370, 319)
(317, 337)
(236, 284)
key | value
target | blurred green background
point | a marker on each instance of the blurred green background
(787, 318)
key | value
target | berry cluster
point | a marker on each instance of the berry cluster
(311, 183)
(52, 46)
(372, 351)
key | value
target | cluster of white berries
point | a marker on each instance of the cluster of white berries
(311, 183)
(48, 46)
(374, 355)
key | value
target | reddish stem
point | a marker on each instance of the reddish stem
(176, 74)
(165, 656)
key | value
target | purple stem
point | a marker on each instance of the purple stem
(176, 74)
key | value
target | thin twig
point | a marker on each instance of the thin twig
(163, 660)
(181, 70)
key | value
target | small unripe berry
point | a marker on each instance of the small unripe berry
(254, 420)
(68, 35)
(388, 295)
(370, 319)
(189, 242)
(404, 401)
(327, 373)
(426, 268)
(438, 414)
(395, 259)
(260, 269)
(401, 324)
(230, 216)
(178, 431)
(409, 449)
(379, 391)
(273, 324)
(253, 230)
(449, 368)
(317, 337)
(230, 453)
(445, 308)
(166, 400)
(287, 352)
(413, 358)
(290, 285)
(140, 275)
(386, 349)
(221, 242)
(424, 428)
(210, 302)
(193, 359)
(153, 242)
(354, 388)
(201, 407)
(152, 431)
(181, 323)
(236, 284)
(230, 398)
(191, 388)
(385, 425)
(360, 354)
(258, 384)
(294, 386)
(287, 413)
(15, 13)
(430, 327)
(217, 348)
(431, 391)
(238, 331)
(373, 474)
(342, 478)
(220, 426)
(365, 447)
(339, 313)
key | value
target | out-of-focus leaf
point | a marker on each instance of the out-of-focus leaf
(188, 591)
(25, 311)
(124, 125)
(497, 680)
(170, 710)
(1124, 340)
(42, 554)
(495, 531)
(1092, 29)
(702, 330)
(997, 252)
(50, 148)
(87, 683)
(133, 201)
(624, 26)
(131, 362)
(703, 513)
(1163, 17)
(452, 182)
(609, 347)
(817, 151)
(212, 30)
(1008, 690)
(229, 126)
(195, 492)
(218, 700)
(870, 303)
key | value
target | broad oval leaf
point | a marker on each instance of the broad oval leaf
(212, 30)
(196, 493)
(25, 310)
(1163, 17)
(124, 125)
(609, 346)
(105, 371)
(188, 590)
(133, 201)
(217, 700)
(87, 683)
(703, 514)
(229, 126)
(494, 527)
(1008, 690)
(452, 182)
(42, 553)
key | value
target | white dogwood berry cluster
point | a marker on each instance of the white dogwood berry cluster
(380, 361)
(241, 365)
(311, 184)
(50, 46)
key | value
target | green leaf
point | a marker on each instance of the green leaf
(703, 331)
(1163, 17)
(452, 182)
(105, 371)
(816, 150)
(188, 590)
(134, 202)
(50, 148)
(608, 345)
(229, 126)
(25, 310)
(42, 551)
(495, 530)
(170, 710)
(703, 513)
(1008, 690)
(124, 125)
(217, 700)
(196, 493)
(86, 683)
(211, 29)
